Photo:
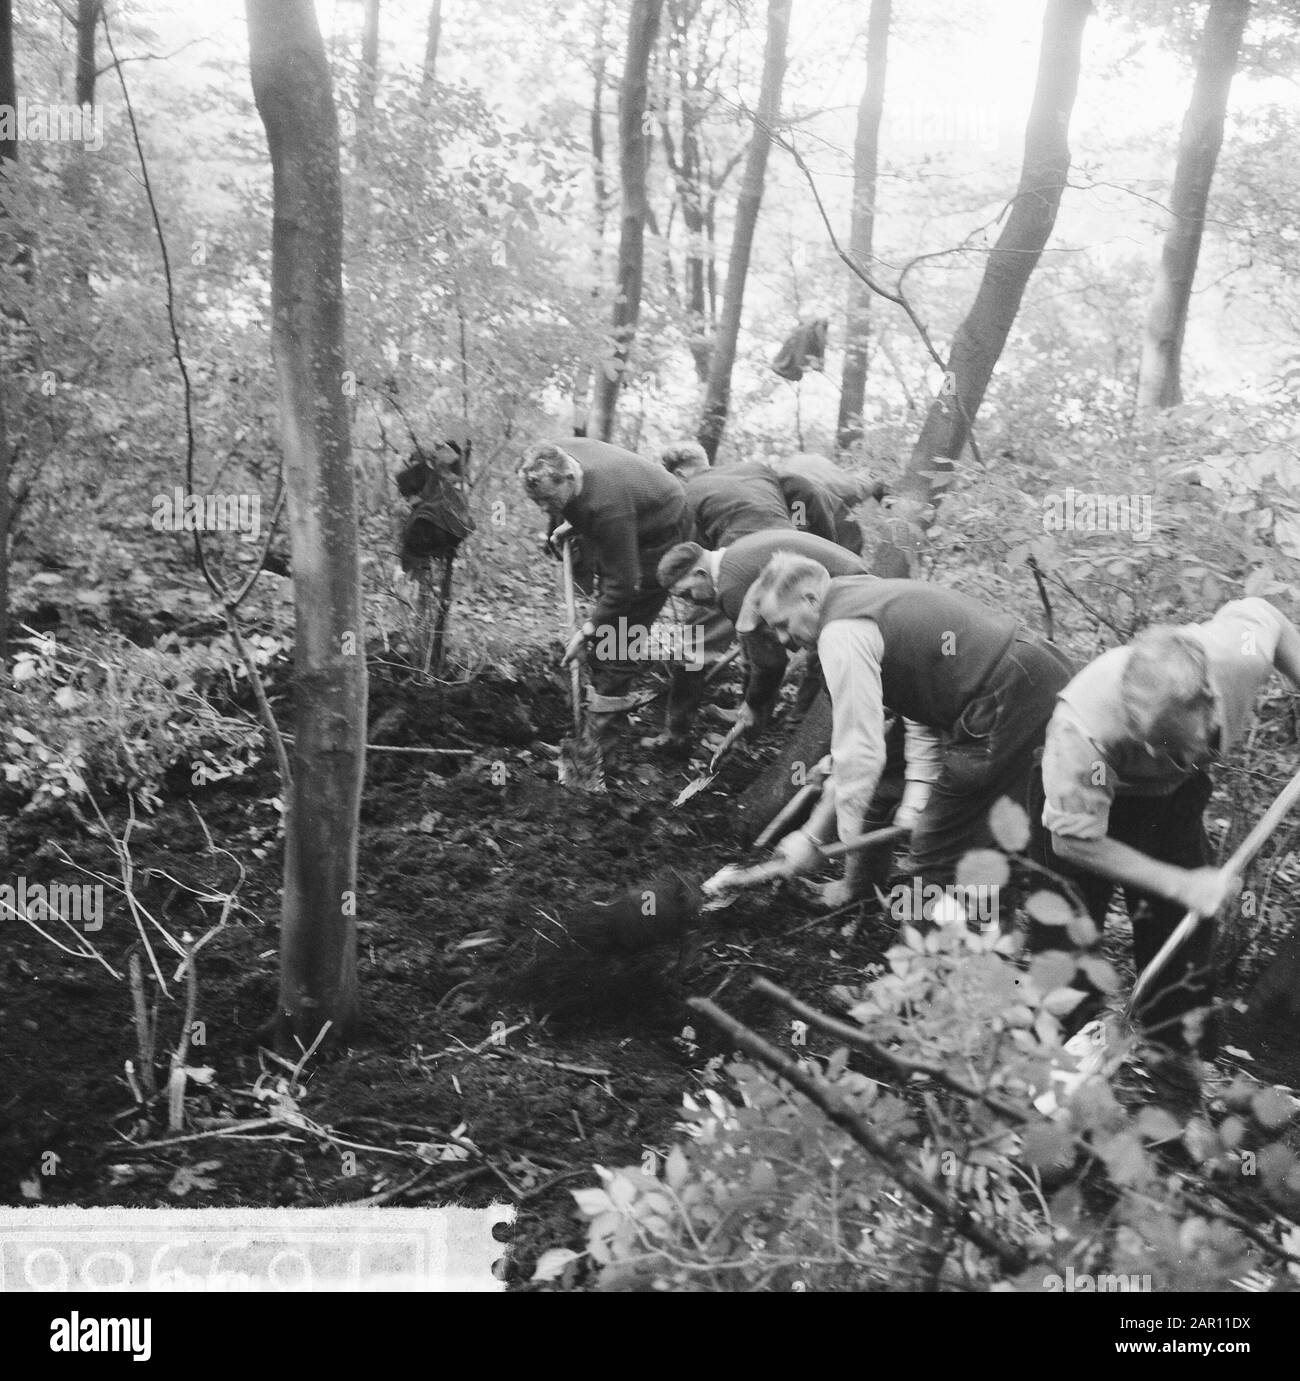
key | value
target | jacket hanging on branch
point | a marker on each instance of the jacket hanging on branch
(441, 519)
(804, 348)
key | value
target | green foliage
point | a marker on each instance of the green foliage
(1056, 1148)
(103, 714)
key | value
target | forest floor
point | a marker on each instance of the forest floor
(463, 883)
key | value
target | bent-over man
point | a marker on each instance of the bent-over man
(974, 686)
(1125, 782)
(629, 511)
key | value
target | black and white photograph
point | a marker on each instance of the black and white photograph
(649, 646)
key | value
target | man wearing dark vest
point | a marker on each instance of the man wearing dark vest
(628, 512)
(975, 678)
(717, 582)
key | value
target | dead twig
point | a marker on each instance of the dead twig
(1013, 1260)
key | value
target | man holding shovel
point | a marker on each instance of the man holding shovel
(975, 687)
(629, 512)
(1125, 785)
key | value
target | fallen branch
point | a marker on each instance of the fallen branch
(1012, 1259)
(853, 1036)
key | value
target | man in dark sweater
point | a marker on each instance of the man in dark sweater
(717, 581)
(844, 491)
(628, 512)
(982, 685)
(730, 501)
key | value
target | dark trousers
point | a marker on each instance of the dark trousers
(614, 676)
(1168, 828)
(994, 751)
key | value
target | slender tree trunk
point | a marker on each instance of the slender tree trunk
(291, 85)
(600, 205)
(717, 391)
(369, 70)
(643, 25)
(17, 253)
(432, 36)
(87, 17)
(1159, 381)
(979, 340)
(866, 146)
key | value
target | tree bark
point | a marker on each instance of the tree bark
(87, 17)
(8, 158)
(866, 147)
(717, 392)
(432, 37)
(292, 88)
(369, 70)
(1159, 373)
(643, 26)
(979, 340)
(686, 165)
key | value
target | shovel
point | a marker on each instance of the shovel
(1245, 851)
(580, 764)
(706, 778)
(732, 878)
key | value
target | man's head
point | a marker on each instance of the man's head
(787, 598)
(1168, 699)
(551, 476)
(684, 571)
(686, 459)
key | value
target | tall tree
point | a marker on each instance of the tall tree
(600, 206)
(643, 25)
(1159, 373)
(369, 69)
(292, 88)
(866, 151)
(432, 37)
(17, 253)
(979, 340)
(717, 389)
(86, 18)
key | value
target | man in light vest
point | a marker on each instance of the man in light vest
(1125, 782)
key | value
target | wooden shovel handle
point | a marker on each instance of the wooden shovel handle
(874, 839)
(1241, 857)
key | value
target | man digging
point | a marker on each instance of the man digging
(1125, 783)
(975, 687)
(629, 512)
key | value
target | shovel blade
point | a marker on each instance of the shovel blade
(580, 766)
(693, 788)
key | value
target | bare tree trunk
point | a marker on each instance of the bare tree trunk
(432, 37)
(643, 25)
(87, 17)
(291, 85)
(866, 147)
(600, 204)
(369, 71)
(599, 183)
(717, 392)
(979, 340)
(685, 163)
(1159, 381)
(8, 159)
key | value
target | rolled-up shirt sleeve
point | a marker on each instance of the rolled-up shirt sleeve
(1078, 782)
(850, 652)
(922, 752)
